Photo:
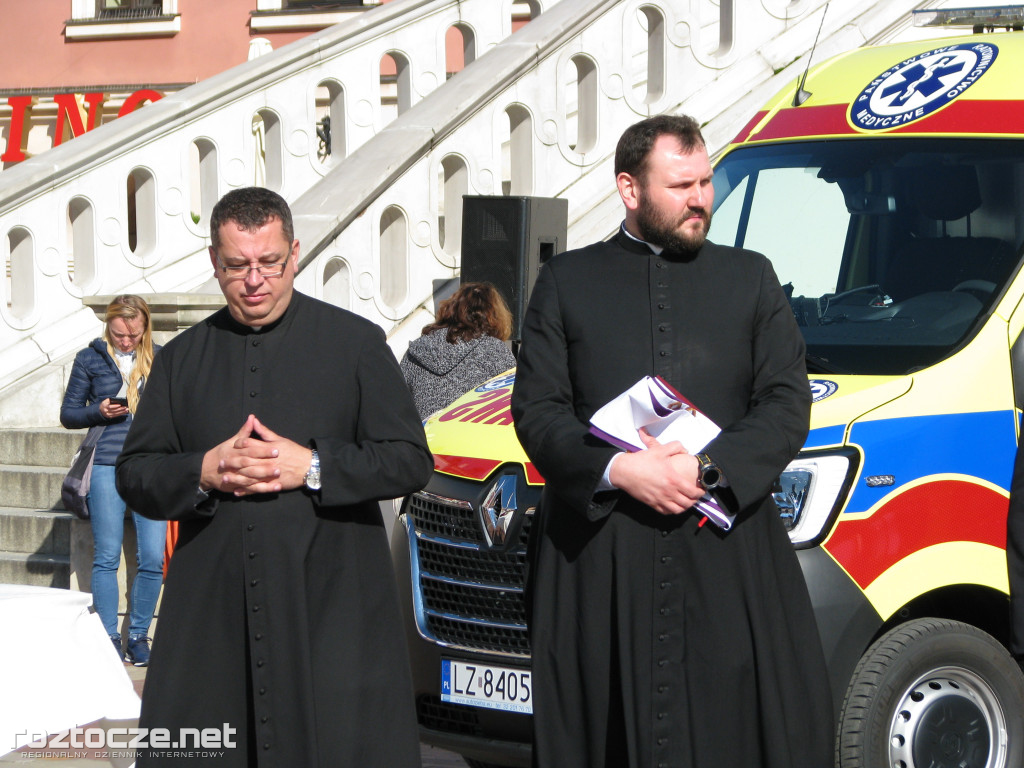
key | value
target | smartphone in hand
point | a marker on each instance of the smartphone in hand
(119, 401)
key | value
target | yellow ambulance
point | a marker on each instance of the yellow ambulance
(887, 188)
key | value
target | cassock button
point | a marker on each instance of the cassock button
(252, 394)
(663, 611)
(254, 582)
(662, 662)
(661, 715)
(661, 306)
(661, 742)
(252, 555)
(666, 584)
(260, 662)
(663, 327)
(259, 635)
(255, 609)
(254, 368)
(263, 691)
(662, 688)
(666, 558)
(266, 746)
(255, 342)
(661, 265)
(264, 718)
(250, 526)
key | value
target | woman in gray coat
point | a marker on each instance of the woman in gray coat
(462, 348)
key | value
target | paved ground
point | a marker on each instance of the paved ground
(432, 758)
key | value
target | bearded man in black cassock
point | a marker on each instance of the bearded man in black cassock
(270, 430)
(657, 641)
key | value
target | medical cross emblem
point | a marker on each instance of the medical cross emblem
(920, 85)
(918, 78)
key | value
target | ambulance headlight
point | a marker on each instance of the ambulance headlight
(811, 491)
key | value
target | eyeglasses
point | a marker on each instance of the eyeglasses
(242, 270)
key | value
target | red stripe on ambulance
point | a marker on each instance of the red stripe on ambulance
(928, 514)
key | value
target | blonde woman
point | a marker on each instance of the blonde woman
(106, 382)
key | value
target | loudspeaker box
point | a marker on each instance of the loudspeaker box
(505, 240)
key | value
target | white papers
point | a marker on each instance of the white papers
(668, 416)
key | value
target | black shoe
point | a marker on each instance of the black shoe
(137, 652)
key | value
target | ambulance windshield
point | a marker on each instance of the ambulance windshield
(892, 251)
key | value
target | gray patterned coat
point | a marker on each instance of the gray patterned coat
(439, 372)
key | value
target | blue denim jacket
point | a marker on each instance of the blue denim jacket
(95, 376)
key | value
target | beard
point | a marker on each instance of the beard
(659, 228)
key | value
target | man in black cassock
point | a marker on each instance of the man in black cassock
(658, 641)
(270, 430)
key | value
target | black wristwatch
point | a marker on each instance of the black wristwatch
(709, 474)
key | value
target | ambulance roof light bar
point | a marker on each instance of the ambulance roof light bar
(979, 19)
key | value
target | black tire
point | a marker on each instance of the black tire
(478, 764)
(933, 693)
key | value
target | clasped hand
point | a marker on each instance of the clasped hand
(664, 477)
(255, 460)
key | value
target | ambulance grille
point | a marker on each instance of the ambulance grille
(469, 596)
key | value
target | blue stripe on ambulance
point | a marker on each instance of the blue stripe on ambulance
(979, 445)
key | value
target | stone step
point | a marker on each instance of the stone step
(35, 570)
(31, 487)
(40, 447)
(29, 531)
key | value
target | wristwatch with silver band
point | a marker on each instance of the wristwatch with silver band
(313, 475)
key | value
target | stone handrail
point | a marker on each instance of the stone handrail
(72, 204)
(536, 113)
(714, 63)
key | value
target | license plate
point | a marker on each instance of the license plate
(483, 685)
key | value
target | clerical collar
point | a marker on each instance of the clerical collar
(656, 249)
(260, 329)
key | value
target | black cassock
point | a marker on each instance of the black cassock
(657, 642)
(280, 613)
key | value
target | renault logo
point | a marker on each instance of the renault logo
(498, 511)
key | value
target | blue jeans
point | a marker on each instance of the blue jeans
(106, 512)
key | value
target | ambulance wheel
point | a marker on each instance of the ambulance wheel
(933, 693)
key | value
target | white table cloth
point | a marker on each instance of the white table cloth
(58, 669)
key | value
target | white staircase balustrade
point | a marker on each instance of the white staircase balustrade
(126, 204)
(536, 113)
(540, 115)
